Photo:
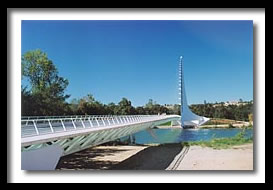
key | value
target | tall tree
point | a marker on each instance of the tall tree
(46, 87)
(112, 108)
(125, 107)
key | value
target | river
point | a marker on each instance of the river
(176, 135)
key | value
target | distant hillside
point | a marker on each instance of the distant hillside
(235, 111)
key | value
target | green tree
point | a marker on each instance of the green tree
(140, 110)
(112, 108)
(234, 112)
(150, 103)
(74, 106)
(125, 107)
(46, 87)
(250, 118)
(27, 108)
(177, 109)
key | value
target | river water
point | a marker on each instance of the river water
(176, 135)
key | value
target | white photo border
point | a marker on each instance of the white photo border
(15, 174)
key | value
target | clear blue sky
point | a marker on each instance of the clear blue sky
(139, 59)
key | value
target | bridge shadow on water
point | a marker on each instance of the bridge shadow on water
(156, 157)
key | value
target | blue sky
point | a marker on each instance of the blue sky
(139, 59)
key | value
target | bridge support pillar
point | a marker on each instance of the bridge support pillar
(45, 158)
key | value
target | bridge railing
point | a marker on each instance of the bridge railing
(40, 125)
(77, 116)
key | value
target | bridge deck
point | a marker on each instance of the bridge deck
(54, 137)
(48, 129)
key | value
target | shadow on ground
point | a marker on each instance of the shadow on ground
(152, 158)
(157, 157)
(84, 159)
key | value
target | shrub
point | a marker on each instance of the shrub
(230, 126)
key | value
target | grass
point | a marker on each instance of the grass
(219, 121)
(250, 126)
(212, 127)
(166, 124)
(222, 143)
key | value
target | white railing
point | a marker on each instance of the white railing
(40, 125)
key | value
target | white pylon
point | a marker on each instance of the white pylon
(188, 118)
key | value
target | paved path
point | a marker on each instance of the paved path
(198, 158)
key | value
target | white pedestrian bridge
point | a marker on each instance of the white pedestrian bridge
(46, 139)
(69, 134)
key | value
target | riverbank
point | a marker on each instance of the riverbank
(171, 156)
(168, 127)
(220, 126)
(213, 123)
(237, 125)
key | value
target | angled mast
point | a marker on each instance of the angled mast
(188, 118)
